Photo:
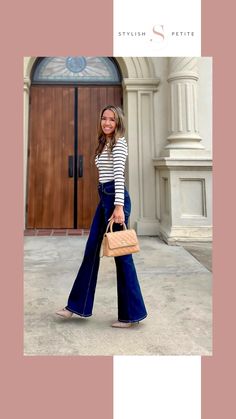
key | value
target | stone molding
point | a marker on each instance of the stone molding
(180, 163)
(141, 84)
(27, 83)
(176, 235)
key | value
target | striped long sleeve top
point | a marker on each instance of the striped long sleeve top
(111, 166)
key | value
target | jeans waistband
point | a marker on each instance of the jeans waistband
(102, 186)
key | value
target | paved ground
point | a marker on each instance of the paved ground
(176, 285)
(202, 252)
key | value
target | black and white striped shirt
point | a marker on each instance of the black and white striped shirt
(111, 166)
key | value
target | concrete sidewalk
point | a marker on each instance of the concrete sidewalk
(176, 287)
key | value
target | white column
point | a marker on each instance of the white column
(183, 169)
(183, 99)
(26, 129)
(139, 111)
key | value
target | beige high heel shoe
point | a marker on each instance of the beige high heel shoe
(65, 313)
(123, 324)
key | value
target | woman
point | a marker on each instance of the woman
(110, 158)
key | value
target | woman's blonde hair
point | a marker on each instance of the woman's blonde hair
(119, 129)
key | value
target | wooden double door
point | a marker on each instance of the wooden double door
(62, 177)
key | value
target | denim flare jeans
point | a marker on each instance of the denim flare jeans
(131, 306)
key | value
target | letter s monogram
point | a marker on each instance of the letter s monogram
(158, 30)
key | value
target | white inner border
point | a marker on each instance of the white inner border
(157, 387)
(179, 21)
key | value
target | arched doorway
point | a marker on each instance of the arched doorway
(66, 95)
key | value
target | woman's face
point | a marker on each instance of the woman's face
(108, 123)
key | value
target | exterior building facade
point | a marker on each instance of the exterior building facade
(168, 109)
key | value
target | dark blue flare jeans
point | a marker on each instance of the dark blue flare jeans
(131, 306)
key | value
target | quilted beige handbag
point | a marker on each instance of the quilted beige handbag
(119, 243)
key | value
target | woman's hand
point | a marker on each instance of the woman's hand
(118, 214)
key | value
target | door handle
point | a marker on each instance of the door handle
(71, 166)
(80, 168)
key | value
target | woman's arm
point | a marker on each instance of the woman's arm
(119, 159)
